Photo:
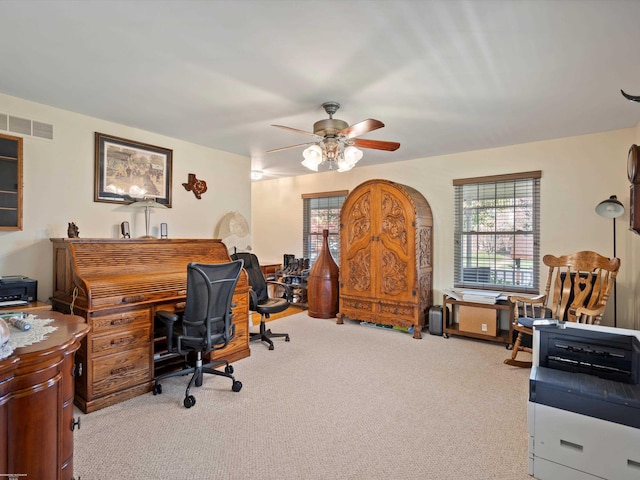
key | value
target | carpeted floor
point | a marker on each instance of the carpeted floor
(337, 402)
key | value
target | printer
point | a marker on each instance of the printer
(583, 412)
(17, 289)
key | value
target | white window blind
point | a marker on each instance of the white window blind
(497, 232)
(321, 211)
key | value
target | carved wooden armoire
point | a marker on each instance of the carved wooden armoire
(386, 255)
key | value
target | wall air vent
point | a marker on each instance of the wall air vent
(24, 126)
(42, 130)
(19, 125)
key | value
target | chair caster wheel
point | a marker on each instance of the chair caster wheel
(228, 369)
(237, 386)
(157, 389)
(189, 401)
(270, 347)
(286, 339)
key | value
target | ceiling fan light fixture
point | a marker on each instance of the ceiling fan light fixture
(352, 154)
(312, 157)
(335, 140)
(310, 165)
(349, 158)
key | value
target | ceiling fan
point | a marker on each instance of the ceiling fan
(335, 141)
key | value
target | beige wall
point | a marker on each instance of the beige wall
(58, 188)
(577, 173)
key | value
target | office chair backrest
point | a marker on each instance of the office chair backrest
(256, 277)
(208, 307)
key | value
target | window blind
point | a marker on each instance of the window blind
(497, 232)
(321, 211)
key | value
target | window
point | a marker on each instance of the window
(497, 232)
(321, 211)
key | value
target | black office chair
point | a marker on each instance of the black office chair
(205, 325)
(260, 301)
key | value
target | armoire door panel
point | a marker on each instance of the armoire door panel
(357, 238)
(393, 221)
(357, 278)
(396, 247)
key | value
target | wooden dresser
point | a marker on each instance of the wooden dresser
(117, 286)
(36, 403)
(386, 255)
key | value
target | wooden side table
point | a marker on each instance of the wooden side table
(493, 333)
(36, 403)
(33, 307)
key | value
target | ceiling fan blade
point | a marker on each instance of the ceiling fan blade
(376, 144)
(295, 130)
(290, 146)
(361, 128)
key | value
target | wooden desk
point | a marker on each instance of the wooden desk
(117, 286)
(36, 403)
(270, 269)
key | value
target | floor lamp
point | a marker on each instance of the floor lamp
(612, 208)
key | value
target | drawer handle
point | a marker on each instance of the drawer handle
(133, 298)
(121, 340)
(575, 446)
(121, 321)
(117, 371)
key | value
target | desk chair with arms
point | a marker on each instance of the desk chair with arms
(577, 289)
(205, 325)
(260, 302)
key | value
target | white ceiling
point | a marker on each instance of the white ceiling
(444, 76)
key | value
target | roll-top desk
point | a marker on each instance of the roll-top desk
(117, 286)
(36, 403)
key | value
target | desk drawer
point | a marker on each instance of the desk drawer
(112, 373)
(175, 307)
(120, 341)
(125, 319)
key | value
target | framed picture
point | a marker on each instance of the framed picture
(127, 171)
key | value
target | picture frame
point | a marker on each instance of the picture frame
(126, 171)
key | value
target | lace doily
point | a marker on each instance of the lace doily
(39, 330)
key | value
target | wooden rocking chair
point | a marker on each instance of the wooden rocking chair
(577, 290)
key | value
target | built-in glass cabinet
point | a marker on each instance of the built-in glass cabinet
(10, 182)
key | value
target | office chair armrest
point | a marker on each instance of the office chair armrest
(288, 292)
(253, 299)
(169, 319)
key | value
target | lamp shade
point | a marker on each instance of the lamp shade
(610, 208)
(312, 157)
